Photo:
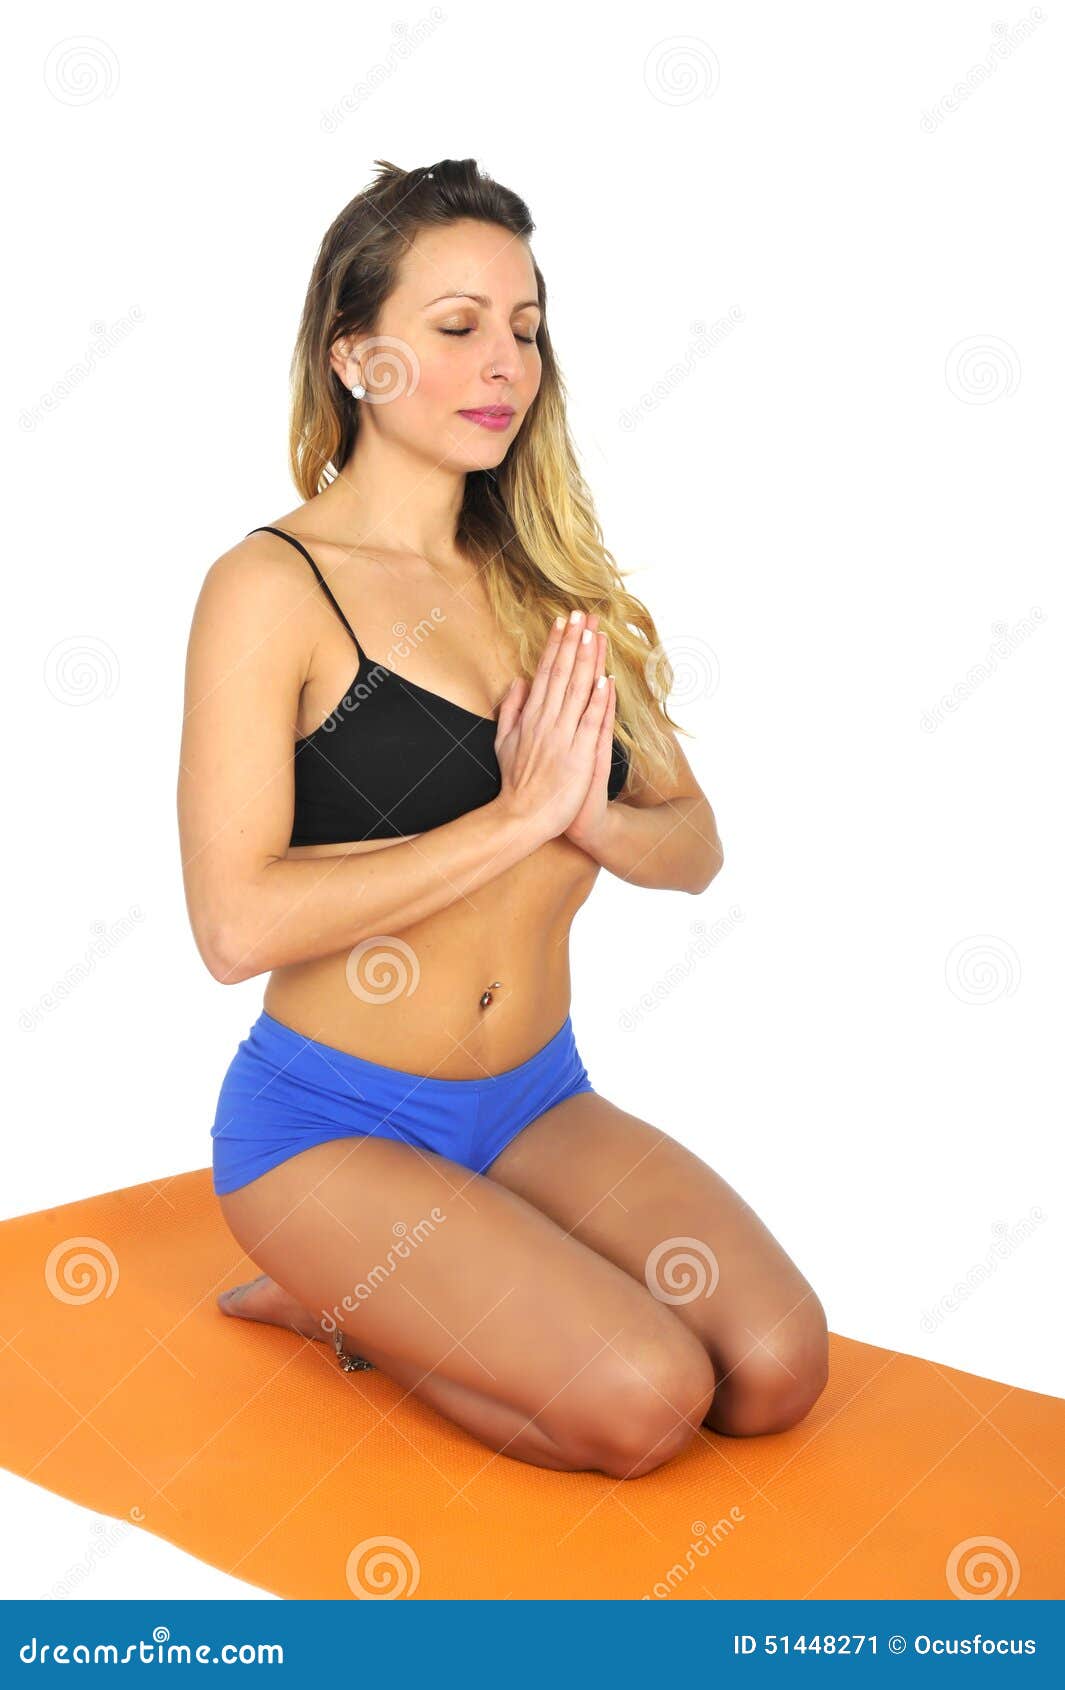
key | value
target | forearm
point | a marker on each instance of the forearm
(672, 845)
(299, 909)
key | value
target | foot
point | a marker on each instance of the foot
(263, 1299)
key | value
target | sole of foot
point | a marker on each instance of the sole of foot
(264, 1300)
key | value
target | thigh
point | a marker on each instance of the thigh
(432, 1270)
(652, 1207)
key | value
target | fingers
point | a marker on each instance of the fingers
(511, 707)
(604, 744)
(600, 668)
(568, 669)
(600, 647)
(552, 647)
(560, 675)
(608, 689)
(564, 653)
(582, 676)
(597, 719)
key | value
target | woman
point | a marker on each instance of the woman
(408, 1143)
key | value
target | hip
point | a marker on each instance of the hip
(284, 1093)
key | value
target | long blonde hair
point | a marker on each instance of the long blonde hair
(530, 524)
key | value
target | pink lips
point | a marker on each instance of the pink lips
(491, 416)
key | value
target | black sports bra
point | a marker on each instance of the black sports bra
(394, 758)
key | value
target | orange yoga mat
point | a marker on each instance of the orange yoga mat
(127, 1390)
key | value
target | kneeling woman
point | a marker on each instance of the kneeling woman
(407, 1143)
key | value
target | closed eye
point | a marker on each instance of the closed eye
(529, 339)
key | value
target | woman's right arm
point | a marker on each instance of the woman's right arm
(251, 908)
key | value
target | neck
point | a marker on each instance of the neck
(388, 498)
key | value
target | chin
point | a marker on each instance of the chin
(484, 460)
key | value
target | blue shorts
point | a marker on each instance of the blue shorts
(283, 1092)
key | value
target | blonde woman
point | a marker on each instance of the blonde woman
(422, 712)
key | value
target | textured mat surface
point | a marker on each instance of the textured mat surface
(125, 1389)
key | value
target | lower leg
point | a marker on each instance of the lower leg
(510, 1431)
(506, 1430)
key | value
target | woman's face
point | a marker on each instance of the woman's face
(437, 356)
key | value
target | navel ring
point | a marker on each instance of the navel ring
(486, 996)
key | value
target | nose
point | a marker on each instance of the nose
(503, 363)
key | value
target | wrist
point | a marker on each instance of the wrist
(516, 820)
(596, 839)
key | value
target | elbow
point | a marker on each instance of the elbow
(235, 926)
(229, 959)
(710, 872)
(227, 974)
(226, 953)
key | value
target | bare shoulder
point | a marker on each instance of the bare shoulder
(260, 583)
(253, 630)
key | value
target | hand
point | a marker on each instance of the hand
(593, 816)
(548, 732)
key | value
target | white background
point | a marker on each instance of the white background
(833, 513)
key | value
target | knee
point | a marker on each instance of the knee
(649, 1401)
(779, 1378)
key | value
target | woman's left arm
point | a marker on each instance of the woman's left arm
(659, 835)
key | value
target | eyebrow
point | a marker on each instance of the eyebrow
(479, 298)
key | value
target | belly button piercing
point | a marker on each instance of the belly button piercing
(486, 996)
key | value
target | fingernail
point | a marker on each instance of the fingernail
(586, 636)
(560, 621)
(575, 615)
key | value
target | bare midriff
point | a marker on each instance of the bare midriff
(411, 998)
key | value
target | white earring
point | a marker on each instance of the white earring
(358, 391)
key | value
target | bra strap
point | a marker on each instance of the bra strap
(265, 528)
